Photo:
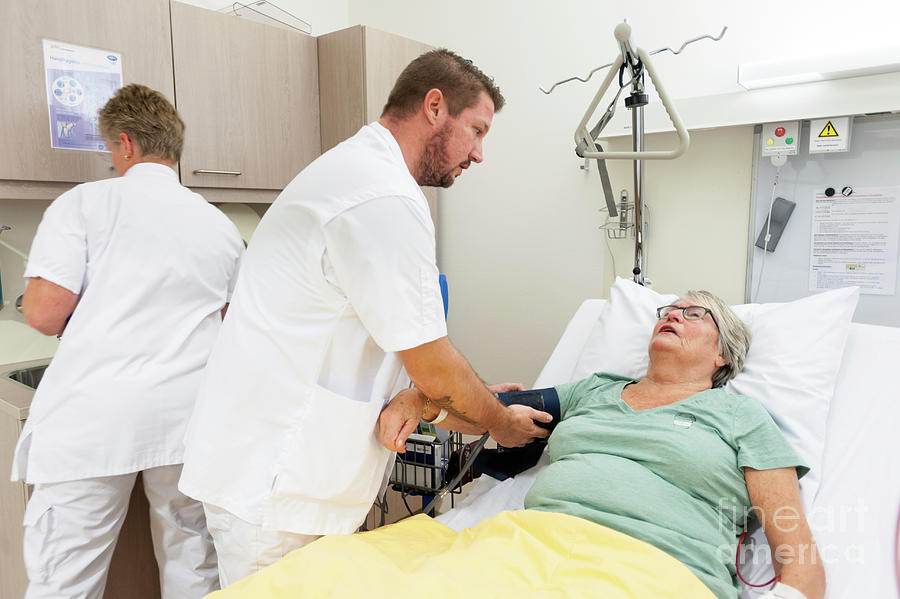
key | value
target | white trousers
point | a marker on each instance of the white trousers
(244, 548)
(71, 530)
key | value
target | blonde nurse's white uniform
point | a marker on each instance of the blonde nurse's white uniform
(153, 265)
(340, 275)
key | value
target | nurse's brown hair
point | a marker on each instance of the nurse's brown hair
(458, 78)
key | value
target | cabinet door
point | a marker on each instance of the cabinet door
(249, 94)
(386, 57)
(138, 30)
(12, 511)
(342, 89)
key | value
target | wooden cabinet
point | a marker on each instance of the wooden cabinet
(12, 511)
(260, 102)
(139, 30)
(357, 70)
(249, 94)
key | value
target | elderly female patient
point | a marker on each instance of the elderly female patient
(674, 460)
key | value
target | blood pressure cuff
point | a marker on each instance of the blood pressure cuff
(545, 400)
(504, 462)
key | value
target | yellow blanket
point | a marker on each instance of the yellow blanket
(518, 554)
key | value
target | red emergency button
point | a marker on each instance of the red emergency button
(779, 131)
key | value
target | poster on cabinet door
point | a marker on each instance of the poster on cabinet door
(854, 240)
(79, 82)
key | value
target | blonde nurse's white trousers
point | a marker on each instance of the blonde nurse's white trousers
(71, 530)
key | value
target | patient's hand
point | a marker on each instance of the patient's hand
(505, 387)
(399, 418)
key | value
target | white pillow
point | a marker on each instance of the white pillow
(791, 367)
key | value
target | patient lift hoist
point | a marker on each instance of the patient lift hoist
(634, 62)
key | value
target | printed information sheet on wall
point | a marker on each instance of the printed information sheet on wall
(79, 82)
(854, 240)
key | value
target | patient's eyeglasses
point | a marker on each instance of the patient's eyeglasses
(689, 312)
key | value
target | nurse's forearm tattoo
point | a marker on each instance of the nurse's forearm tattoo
(446, 404)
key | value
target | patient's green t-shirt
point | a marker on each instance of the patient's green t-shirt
(671, 476)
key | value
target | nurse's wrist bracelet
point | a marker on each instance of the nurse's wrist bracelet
(427, 408)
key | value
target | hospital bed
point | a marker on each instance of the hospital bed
(852, 504)
(854, 514)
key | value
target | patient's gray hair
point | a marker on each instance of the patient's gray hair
(734, 336)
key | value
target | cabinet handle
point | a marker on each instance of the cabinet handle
(203, 171)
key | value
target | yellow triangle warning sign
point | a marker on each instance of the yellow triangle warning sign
(829, 131)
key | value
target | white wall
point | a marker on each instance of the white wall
(698, 213)
(322, 15)
(23, 216)
(519, 239)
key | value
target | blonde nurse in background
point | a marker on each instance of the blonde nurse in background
(138, 271)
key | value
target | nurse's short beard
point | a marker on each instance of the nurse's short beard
(434, 169)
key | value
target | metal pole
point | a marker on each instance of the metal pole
(637, 137)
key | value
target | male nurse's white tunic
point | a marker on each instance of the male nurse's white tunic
(340, 274)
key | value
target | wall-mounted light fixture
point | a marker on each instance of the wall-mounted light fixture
(789, 71)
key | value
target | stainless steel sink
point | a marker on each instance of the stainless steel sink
(30, 377)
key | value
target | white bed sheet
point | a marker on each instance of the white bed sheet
(854, 516)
